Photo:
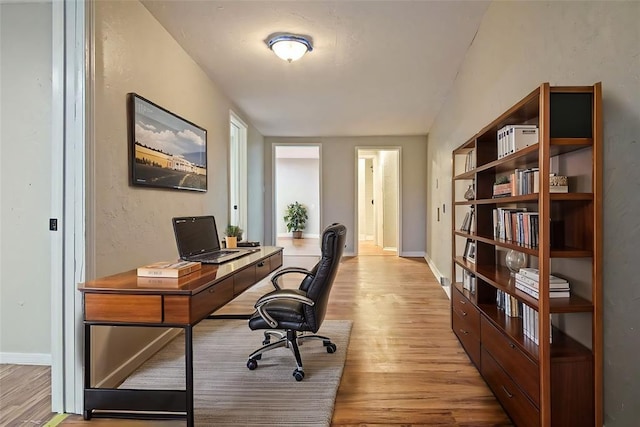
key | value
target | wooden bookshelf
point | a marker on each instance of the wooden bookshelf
(564, 385)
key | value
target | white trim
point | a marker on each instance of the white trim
(433, 268)
(56, 358)
(304, 235)
(412, 254)
(73, 220)
(242, 166)
(398, 150)
(130, 365)
(43, 359)
(439, 275)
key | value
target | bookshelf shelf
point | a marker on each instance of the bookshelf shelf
(563, 235)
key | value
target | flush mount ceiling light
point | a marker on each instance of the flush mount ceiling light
(289, 47)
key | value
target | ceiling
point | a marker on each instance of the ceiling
(377, 67)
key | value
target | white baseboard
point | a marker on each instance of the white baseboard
(304, 235)
(439, 275)
(43, 359)
(412, 254)
(124, 370)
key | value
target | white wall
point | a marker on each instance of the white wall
(339, 186)
(25, 187)
(518, 46)
(389, 168)
(133, 53)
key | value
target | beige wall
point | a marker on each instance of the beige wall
(133, 53)
(518, 46)
(338, 182)
(25, 182)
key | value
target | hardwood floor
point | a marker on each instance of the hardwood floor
(25, 395)
(404, 365)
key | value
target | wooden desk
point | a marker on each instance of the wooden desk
(125, 299)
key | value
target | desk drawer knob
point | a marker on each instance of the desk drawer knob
(261, 264)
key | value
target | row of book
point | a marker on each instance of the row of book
(527, 280)
(516, 225)
(510, 304)
(530, 325)
(512, 138)
(521, 182)
(469, 281)
(468, 224)
(469, 161)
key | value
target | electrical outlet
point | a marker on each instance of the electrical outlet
(53, 224)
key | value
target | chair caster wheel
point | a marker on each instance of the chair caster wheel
(258, 357)
(331, 348)
(298, 375)
(266, 341)
(252, 364)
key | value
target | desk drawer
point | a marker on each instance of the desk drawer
(522, 370)
(275, 261)
(263, 268)
(178, 310)
(514, 401)
(469, 339)
(122, 308)
(243, 280)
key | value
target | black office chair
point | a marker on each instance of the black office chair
(292, 314)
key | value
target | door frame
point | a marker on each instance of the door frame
(398, 150)
(274, 193)
(234, 119)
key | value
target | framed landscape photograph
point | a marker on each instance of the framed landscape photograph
(166, 150)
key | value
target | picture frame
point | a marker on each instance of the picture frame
(470, 251)
(166, 150)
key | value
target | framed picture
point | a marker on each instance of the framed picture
(470, 251)
(166, 150)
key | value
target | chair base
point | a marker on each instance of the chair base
(292, 340)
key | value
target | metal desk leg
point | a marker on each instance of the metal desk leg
(188, 356)
(86, 413)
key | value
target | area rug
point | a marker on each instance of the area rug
(226, 393)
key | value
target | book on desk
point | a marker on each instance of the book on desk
(171, 269)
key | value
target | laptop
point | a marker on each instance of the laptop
(197, 240)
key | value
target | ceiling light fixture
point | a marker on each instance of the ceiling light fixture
(289, 46)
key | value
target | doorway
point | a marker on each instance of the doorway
(378, 201)
(297, 179)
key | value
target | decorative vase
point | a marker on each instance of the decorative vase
(515, 261)
(232, 242)
(297, 234)
(470, 194)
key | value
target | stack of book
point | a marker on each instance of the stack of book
(170, 269)
(527, 280)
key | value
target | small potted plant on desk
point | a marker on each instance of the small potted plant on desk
(296, 219)
(233, 235)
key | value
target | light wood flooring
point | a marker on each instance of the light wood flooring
(404, 365)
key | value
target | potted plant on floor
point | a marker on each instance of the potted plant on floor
(296, 219)
(233, 235)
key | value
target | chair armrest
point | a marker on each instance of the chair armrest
(282, 294)
(287, 270)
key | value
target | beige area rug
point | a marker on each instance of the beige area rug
(226, 393)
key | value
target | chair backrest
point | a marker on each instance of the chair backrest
(319, 286)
